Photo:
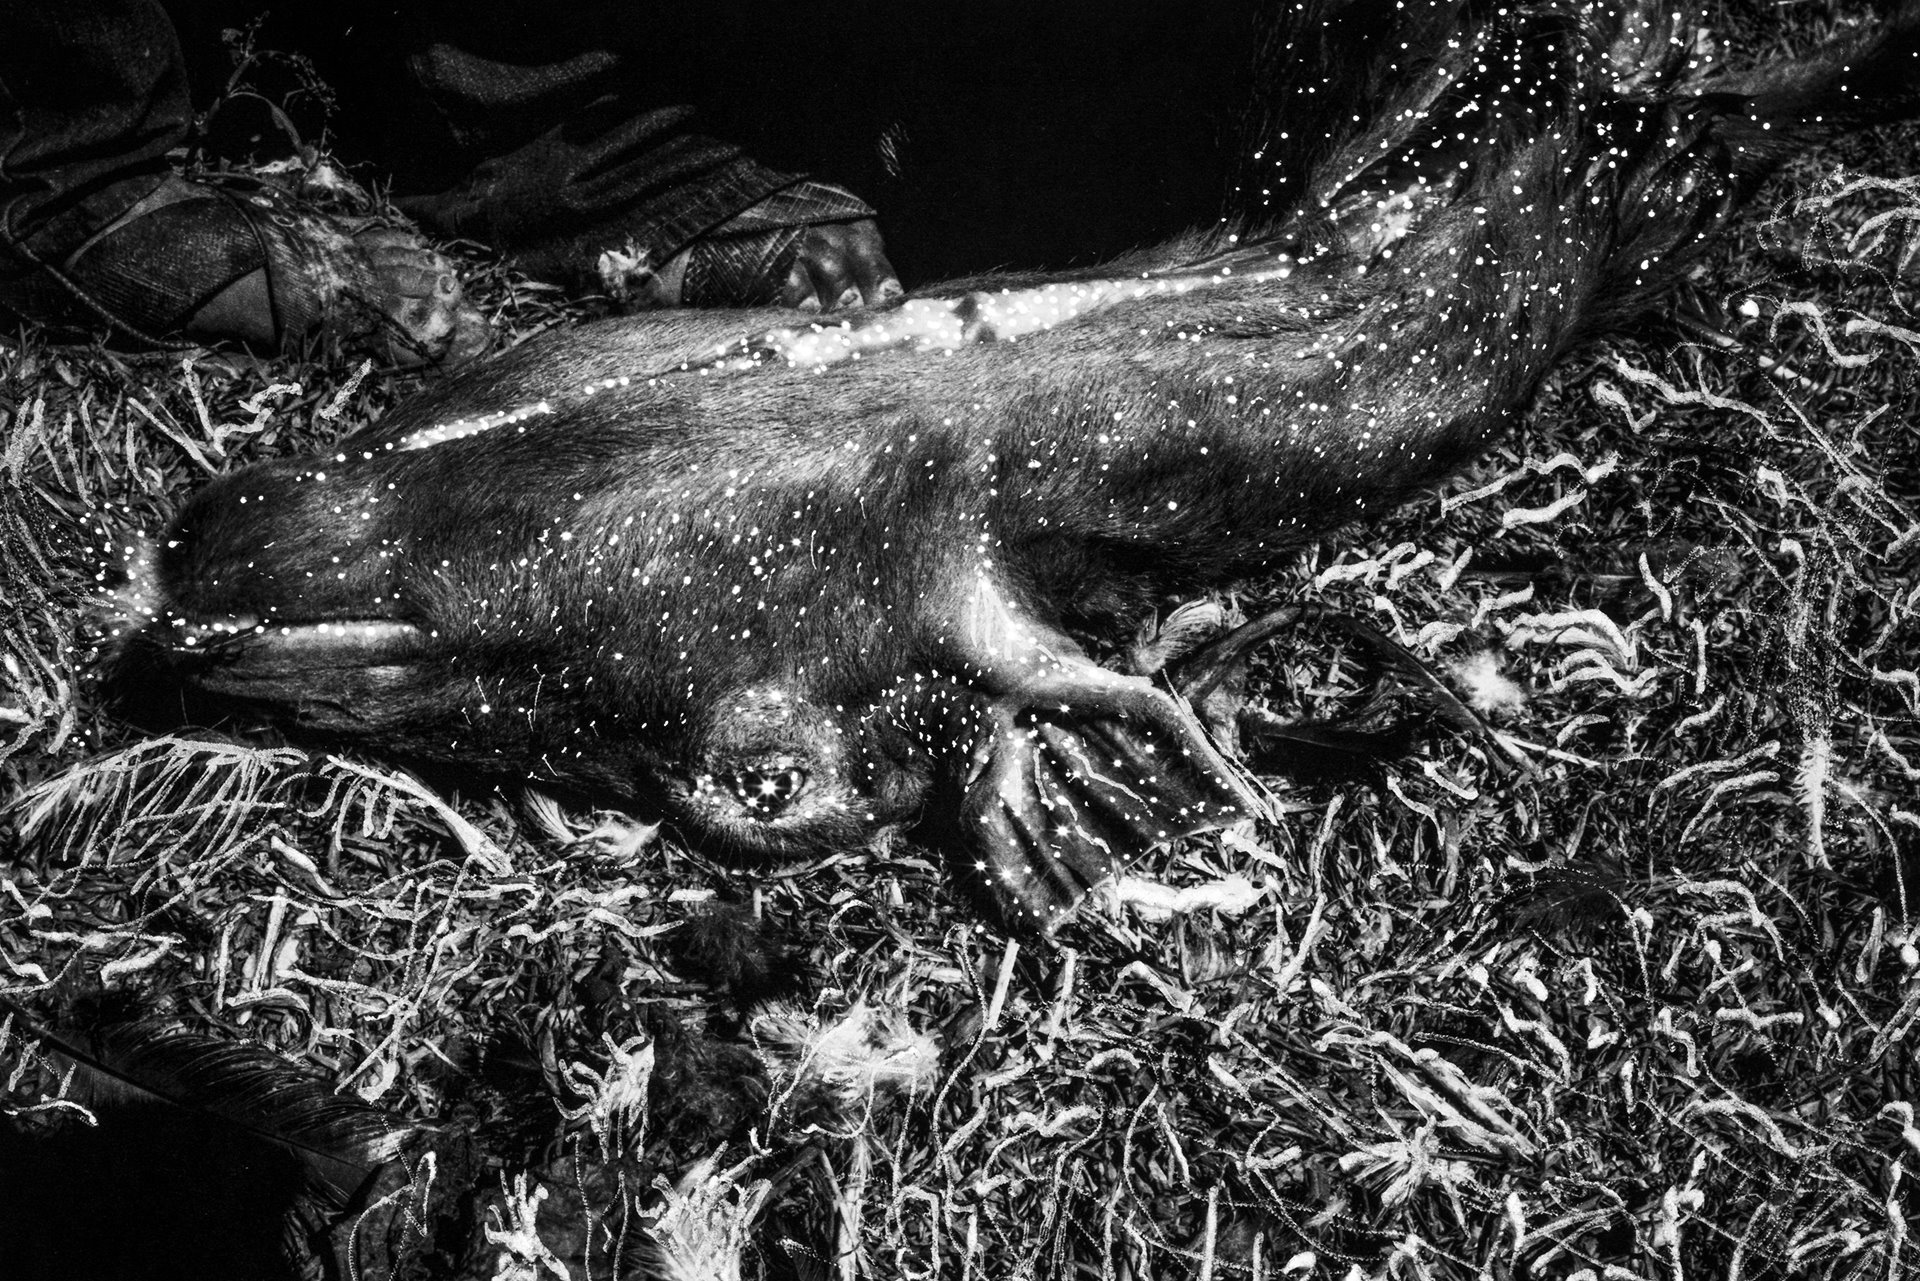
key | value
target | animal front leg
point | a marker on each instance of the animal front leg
(1074, 769)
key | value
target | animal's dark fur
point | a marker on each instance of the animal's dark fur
(688, 569)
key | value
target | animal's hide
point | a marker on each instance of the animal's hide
(799, 589)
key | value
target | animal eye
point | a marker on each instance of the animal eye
(766, 792)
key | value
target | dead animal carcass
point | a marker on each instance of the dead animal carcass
(803, 588)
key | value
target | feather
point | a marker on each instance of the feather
(338, 1141)
(701, 1229)
(1398, 658)
(149, 1153)
(1221, 664)
(1213, 677)
(1320, 751)
(1181, 632)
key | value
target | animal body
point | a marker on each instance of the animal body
(807, 587)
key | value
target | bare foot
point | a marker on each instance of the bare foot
(255, 266)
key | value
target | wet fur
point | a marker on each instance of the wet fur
(834, 521)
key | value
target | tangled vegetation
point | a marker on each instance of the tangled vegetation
(1623, 990)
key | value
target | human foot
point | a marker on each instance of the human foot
(209, 263)
(812, 246)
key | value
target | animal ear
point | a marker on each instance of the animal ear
(1054, 804)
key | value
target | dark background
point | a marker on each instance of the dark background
(1022, 134)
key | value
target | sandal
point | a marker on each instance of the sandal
(198, 262)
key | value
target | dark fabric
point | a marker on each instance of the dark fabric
(150, 270)
(164, 264)
(1000, 133)
(493, 105)
(739, 263)
(93, 95)
(569, 151)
